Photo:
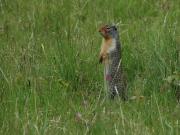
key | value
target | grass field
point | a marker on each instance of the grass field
(51, 81)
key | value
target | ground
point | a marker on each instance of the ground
(50, 78)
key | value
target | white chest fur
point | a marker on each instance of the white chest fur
(112, 46)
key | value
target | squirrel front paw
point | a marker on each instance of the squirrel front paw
(102, 58)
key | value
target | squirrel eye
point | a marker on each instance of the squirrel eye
(115, 28)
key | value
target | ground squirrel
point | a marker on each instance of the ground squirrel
(110, 56)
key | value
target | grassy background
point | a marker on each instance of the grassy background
(50, 79)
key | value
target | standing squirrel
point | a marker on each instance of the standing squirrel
(110, 56)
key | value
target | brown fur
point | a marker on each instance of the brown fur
(106, 43)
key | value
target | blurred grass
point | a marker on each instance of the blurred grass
(49, 69)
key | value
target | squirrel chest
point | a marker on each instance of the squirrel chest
(107, 47)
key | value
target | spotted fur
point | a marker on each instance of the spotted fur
(110, 55)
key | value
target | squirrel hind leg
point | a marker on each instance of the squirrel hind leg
(120, 94)
(112, 95)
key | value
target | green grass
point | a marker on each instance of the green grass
(50, 79)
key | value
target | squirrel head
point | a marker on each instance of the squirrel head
(109, 31)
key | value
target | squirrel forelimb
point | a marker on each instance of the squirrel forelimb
(104, 54)
(103, 58)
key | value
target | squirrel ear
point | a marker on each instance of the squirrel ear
(115, 25)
